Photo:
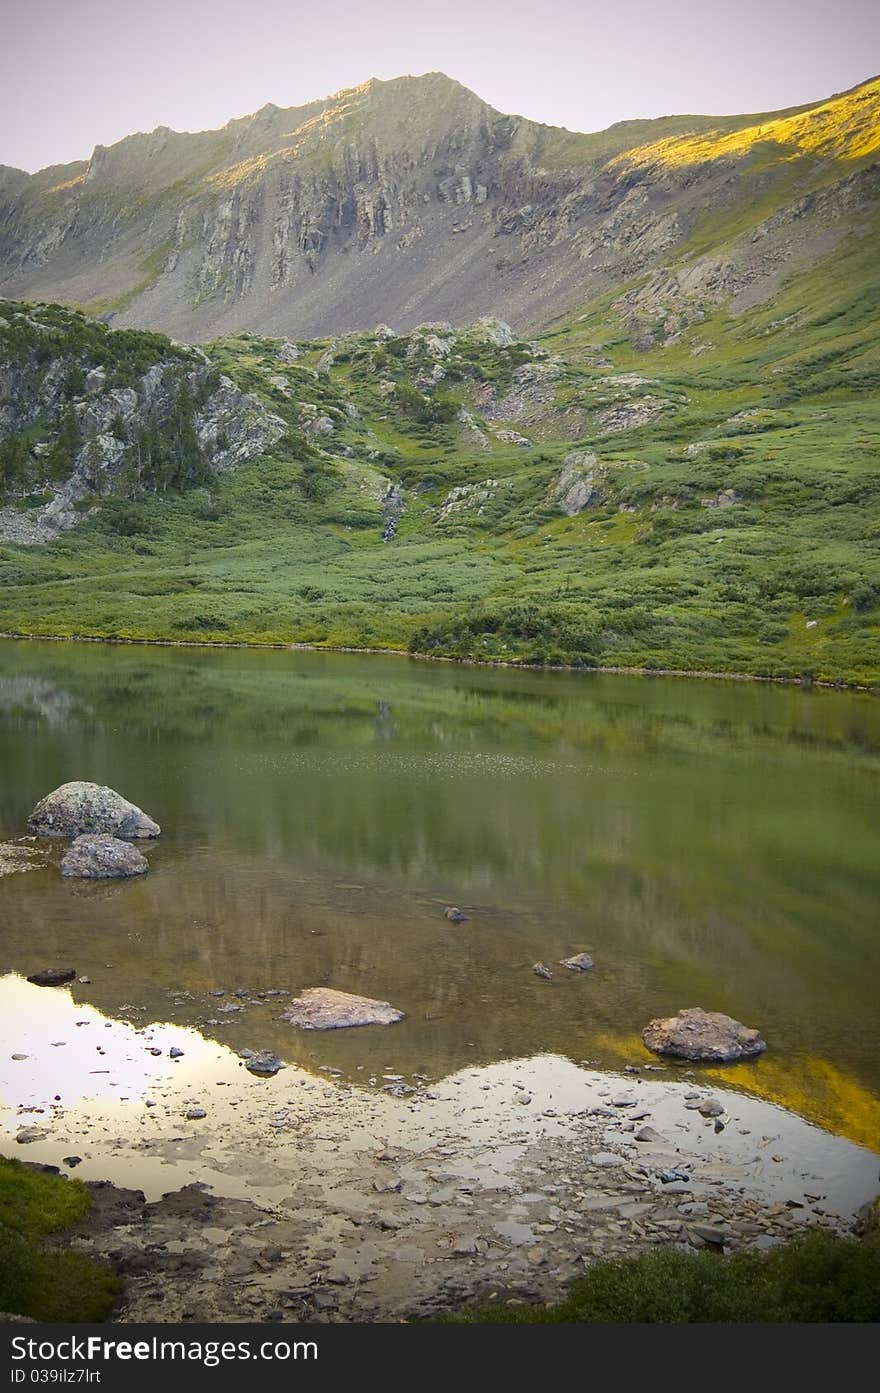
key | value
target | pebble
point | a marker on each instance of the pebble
(192, 1114)
(174, 1052)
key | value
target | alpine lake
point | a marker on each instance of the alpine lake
(709, 844)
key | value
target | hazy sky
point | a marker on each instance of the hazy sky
(74, 73)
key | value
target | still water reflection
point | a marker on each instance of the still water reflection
(711, 844)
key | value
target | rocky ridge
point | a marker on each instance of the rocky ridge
(415, 200)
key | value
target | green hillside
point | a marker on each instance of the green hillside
(727, 466)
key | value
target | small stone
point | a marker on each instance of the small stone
(53, 976)
(454, 915)
(712, 1107)
(71, 1161)
(668, 1177)
(175, 1053)
(102, 857)
(264, 1064)
(581, 962)
(542, 970)
(193, 1114)
(30, 1134)
(648, 1134)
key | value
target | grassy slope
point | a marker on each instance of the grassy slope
(289, 549)
(46, 1283)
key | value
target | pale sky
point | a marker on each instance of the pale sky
(76, 73)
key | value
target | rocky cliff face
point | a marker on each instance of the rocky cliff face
(414, 200)
(86, 414)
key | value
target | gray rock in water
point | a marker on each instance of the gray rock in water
(581, 962)
(77, 808)
(703, 1036)
(30, 1134)
(264, 1063)
(712, 1107)
(102, 857)
(542, 970)
(53, 976)
(454, 915)
(322, 1008)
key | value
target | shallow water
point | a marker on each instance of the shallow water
(710, 844)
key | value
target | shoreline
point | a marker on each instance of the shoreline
(320, 1199)
(870, 689)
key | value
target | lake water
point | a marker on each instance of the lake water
(710, 844)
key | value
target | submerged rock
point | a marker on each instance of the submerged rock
(703, 1036)
(454, 915)
(102, 857)
(542, 970)
(264, 1063)
(77, 808)
(53, 976)
(581, 962)
(322, 1008)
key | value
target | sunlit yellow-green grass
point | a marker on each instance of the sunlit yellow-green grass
(38, 1279)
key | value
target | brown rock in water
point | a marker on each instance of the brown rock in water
(53, 976)
(699, 1035)
(581, 962)
(542, 970)
(454, 915)
(102, 857)
(322, 1008)
(77, 808)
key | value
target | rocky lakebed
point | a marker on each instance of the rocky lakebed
(223, 1195)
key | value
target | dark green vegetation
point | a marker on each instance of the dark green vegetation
(37, 1279)
(818, 1277)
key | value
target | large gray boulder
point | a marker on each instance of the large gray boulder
(580, 483)
(77, 808)
(322, 1008)
(703, 1036)
(102, 857)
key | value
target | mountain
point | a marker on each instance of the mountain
(661, 455)
(413, 200)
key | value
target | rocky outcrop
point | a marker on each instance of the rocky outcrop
(77, 808)
(102, 857)
(580, 483)
(703, 1036)
(108, 431)
(322, 1008)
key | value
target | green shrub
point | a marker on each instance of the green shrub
(817, 1277)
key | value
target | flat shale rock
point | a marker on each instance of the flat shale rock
(322, 1008)
(102, 857)
(703, 1036)
(77, 808)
